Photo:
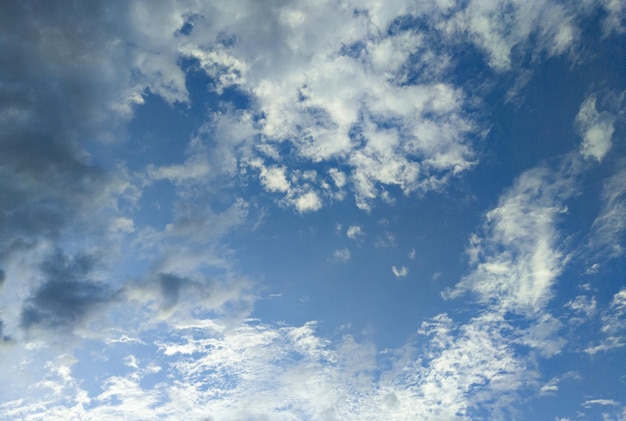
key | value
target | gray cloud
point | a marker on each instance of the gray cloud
(66, 79)
(68, 295)
(3, 337)
(171, 286)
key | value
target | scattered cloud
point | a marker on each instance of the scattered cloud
(341, 100)
(355, 232)
(342, 255)
(400, 272)
(412, 254)
(583, 304)
(386, 240)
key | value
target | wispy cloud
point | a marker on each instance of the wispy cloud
(610, 225)
(613, 326)
(518, 260)
(595, 128)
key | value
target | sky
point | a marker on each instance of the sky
(329, 210)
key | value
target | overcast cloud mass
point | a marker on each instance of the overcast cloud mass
(330, 210)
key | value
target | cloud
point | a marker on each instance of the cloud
(583, 304)
(610, 225)
(274, 179)
(257, 370)
(366, 100)
(308, 202)
(67, 296)
(601, 402)
(400, 272)
(386, 240)
(615, 18)
(3, 338)
(342, 255)
(613, 325)
(596, 129)
(503, 28)
(518, 260)
(355, 232)
(326, 96)
(193, 168)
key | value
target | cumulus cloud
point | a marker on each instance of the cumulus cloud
(308, 202)
(328, 94)
(274, 179)
(355, 232)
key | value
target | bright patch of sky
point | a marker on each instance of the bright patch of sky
(327, 210)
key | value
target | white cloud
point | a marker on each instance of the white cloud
(342, 255)
(195, 168)
(500, 28)
(601, 402)
(613, 326)
(338, 177)
(386, 240)
(520, 277)
(308, 202)
(596, 129)
(355, 232)
(400, 272)
(551, 386)
(609, 227)
(583, 304)
(255, 370)
(615, 20)
(274, 179)
(312, 84)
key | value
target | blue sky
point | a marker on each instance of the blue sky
(326, 210)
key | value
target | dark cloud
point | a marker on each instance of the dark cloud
(3, 337)
(54, 95)
(2, 277)
(68, 296)
(64, 79)
(172, 286)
